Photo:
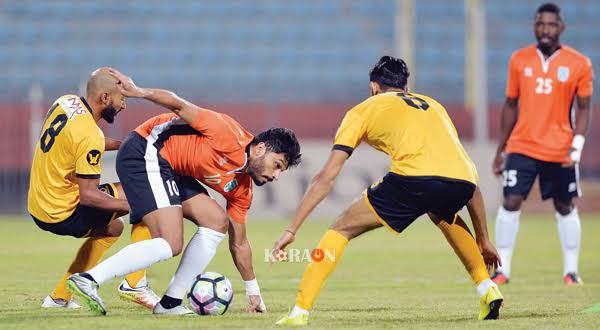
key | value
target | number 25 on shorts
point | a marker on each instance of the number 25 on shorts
(509, 178)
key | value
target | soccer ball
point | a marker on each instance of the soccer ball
(211, 294)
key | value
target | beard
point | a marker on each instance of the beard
(110, 113)
(546, 46)
(254, 168)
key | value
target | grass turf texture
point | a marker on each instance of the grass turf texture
(383, 281)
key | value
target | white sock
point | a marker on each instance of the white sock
(132, 258)
(484, 286)
(297, 311)
(569, 231)
(198, 253)
(507, 226)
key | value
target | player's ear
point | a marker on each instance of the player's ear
(562, 27)
(104, 98)
(260, 149)
(374, 87)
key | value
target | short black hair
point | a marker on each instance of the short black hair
(281, 140)
(390, 72)
(548, 7)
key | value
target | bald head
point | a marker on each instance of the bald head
(101, 82)
(104, 95)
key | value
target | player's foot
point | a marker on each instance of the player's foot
(572, 279)
(87, 292)
(490, 303)
(499, 278)
(177, 310)
(50, 302)
(142, 295)
(300, 319)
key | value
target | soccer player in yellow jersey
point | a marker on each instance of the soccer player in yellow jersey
(430, 174)
(65, 197)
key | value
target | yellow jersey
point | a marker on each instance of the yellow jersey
(414, 130)
(71, 144)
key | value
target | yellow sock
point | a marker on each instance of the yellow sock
(465, 247)
(139, 232)
(331, 247)
(89, 254)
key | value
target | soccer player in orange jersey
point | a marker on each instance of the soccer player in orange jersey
(540, 135)
(160, 165)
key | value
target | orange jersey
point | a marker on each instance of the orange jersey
(212, 150)
(546, 89)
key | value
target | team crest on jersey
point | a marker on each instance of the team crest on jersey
(528, 72)
(93, 157)
(563, 73)
(231, 185)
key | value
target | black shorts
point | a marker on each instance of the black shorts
(398, 200)
(555, 181)
(83, 220)
(149, 181)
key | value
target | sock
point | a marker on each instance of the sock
(317, 271)
(297, 311)
(507, 226)
(89, 254)
(198, 253)
(131, 258)
(484, 286)
(569, 231)
(139, 232)
(465, 247)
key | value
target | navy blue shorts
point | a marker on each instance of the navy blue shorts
(149, 181)
(555, 181)
(83, 220)
(399, 200)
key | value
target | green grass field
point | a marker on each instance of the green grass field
(412, 281)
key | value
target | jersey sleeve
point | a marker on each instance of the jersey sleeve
(512, 84)
(585, 81)
(351, 130)
(238, 204)
(210, 123)
(223, 131)
(88, 157)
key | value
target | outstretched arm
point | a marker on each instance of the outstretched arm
(181, 107)
(241, 252)
(320, 186)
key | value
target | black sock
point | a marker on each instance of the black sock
(88, 276)
(170, 302)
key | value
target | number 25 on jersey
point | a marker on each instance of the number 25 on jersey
(543, 85)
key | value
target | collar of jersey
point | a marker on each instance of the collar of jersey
(87, 106)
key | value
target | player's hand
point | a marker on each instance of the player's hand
(574, 154)
(256, 304)
(126, 84)
(499, 162)
(490, 255)
(570, 161)
(286, 239)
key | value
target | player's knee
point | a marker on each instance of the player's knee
(512, 202)
(176, 246)
(115, 228)
(222, 225)
(563, 207)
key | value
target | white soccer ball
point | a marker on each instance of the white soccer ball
(211, 294)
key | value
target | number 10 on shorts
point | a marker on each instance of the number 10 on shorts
(509, 178)
(172, 187)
